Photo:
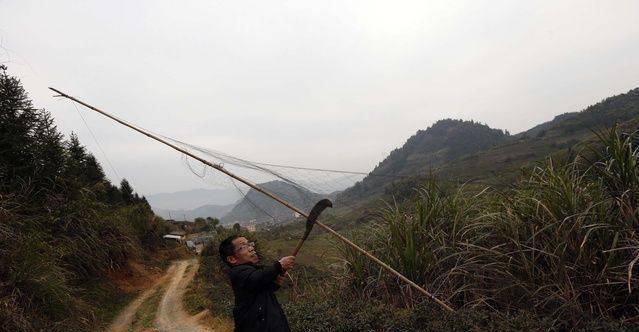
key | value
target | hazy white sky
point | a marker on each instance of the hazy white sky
(332, 84)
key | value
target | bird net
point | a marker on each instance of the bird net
(300, 186)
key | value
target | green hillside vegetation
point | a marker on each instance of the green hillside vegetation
(468, 152)
(501, 164)
(560, 245)
(443, 142)
(63, 225)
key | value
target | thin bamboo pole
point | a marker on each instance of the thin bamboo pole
(265, 192)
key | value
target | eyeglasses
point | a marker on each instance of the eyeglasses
(245, 245)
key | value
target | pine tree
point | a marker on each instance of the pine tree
(76, 157)
(127, 192)
(92, 170)
(113, 194)
(48, 151)
(146, 203)
(30, 146)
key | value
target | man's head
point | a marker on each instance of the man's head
(236, 250)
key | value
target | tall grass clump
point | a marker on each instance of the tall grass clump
(560, 244)
(431, 241)
(570, 237)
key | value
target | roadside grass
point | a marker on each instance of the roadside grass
(195, 298)
(106, 299)
(52, 259)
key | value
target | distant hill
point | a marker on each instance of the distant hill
(256, 205)
(466, 151)
(192, 199)
(542, 128)
(502, 163)
(215, 211)
(444, 141)
(615, 109)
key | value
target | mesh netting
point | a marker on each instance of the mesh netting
(301, 186)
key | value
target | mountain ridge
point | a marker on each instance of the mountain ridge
(204, 211)
(257, 207)
(503, 163)
(490, 157)
(438, 144)
(193, 198)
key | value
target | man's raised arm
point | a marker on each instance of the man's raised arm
(252, 278)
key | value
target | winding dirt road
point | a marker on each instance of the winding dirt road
(170, 315)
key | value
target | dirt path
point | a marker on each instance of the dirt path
(170, 315)
(122, 322)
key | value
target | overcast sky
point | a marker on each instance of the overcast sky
(331, 84)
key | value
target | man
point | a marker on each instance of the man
(256, 307)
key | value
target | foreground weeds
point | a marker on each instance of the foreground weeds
(561, 245)
(54, 263)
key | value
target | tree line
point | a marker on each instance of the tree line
(63, 224)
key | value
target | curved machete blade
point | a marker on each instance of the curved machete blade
(310, 221)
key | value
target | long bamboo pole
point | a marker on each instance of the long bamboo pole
(265, 192)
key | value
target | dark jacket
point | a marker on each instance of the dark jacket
(256, 308)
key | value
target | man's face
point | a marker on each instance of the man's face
(244, 252)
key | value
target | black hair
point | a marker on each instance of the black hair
(227, 248)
